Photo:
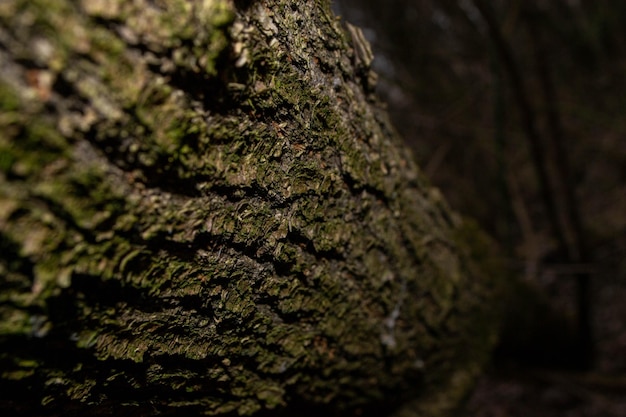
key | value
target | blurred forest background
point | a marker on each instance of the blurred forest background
(515, 109)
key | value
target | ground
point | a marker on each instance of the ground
(521, 391)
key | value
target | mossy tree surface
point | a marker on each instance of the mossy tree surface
(203, 208)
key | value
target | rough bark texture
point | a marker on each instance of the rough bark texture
(204, 209)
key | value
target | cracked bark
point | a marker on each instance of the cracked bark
(204, 209)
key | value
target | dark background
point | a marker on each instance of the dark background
(516, 110)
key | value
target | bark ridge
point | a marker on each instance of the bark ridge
(204, 208)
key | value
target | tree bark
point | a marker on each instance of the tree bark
(204, 209)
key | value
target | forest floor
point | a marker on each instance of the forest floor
(521, 391)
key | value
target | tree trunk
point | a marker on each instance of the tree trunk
(204, 209)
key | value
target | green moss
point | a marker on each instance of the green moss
(9, 102)
(16, 322)
(271, 396)
(7, 159)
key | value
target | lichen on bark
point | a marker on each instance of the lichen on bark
(203, 208)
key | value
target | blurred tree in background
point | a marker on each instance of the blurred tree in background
(515, 109)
